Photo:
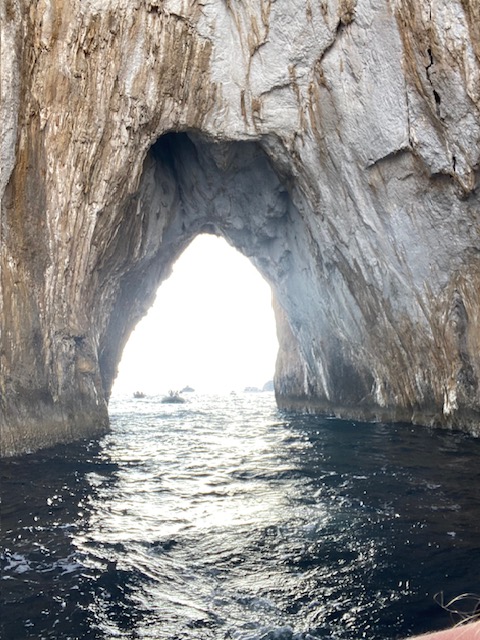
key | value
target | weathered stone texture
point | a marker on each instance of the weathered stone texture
(335, 143)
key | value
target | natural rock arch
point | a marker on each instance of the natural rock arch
(189, 186)
(337, 144)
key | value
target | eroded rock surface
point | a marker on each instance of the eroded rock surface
(335, 142)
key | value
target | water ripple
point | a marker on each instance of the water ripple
(223, 518)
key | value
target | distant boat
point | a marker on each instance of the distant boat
(139, 394)
(173, 397)
(187, 389)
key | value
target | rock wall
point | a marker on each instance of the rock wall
(334, 142)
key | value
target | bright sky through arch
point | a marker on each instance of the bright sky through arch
(211, 327)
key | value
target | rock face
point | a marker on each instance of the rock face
(334, 142)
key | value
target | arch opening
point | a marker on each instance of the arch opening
(211, 327)
(190, 186)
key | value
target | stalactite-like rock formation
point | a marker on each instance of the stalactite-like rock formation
(336, 143)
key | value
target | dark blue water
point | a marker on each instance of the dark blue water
(223, 518)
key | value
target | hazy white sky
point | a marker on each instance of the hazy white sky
(211, 327)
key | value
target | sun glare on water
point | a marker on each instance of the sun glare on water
(211, 327)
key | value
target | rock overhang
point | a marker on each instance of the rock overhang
(336, 145)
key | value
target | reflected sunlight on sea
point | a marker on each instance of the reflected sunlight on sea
(225, 518)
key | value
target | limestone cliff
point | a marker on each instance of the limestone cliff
(334, 142)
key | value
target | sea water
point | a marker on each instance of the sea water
(225, 518)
